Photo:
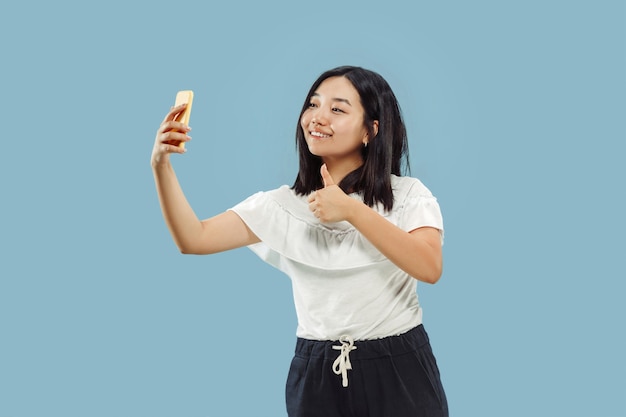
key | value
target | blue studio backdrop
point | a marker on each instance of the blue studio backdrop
(516, 119)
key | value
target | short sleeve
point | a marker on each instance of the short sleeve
(258, 212)
(289, 231)
(420, 209)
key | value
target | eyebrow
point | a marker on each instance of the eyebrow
(343, 100)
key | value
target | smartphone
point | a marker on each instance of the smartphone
(182, 97)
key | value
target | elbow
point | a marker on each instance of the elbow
(186, 249)
(433, 279)
(183, 247)
(191, 251)
(429, 279)
(431, 276)
(189, 245)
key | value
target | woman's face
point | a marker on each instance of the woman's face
(333, 123)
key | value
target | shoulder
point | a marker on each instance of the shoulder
(414, 205)
(284, 192)
(285, 197)
(282, 199)
(404, 187)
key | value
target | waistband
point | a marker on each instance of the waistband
(365, 349)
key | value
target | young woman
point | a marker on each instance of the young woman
(353, 235)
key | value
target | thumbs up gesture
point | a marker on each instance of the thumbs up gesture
(330, 204)
(328, 180)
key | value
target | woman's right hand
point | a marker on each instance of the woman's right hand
(169, 135)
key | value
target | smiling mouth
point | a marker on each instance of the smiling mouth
(319, 135)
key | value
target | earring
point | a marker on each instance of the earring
(365, 145)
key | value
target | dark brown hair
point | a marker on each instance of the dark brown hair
(386, 153)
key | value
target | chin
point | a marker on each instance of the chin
(315, 151)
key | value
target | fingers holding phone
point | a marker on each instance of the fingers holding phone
(184, 97)
(181, 114)
(173, 132)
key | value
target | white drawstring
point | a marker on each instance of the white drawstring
(342, 363)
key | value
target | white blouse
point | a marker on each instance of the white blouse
(342, 284)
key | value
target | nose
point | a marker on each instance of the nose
(318, 118)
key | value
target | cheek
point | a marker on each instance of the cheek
(305, 120)
(356, 131)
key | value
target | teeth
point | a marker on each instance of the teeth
(319, 135)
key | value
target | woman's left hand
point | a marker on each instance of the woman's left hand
(330, 204)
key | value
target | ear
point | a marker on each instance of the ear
(366, 139)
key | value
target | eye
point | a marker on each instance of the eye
(337, 110)
(312, 105)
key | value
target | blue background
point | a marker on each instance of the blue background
(515, 112)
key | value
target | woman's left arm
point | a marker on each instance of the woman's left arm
(418, 252)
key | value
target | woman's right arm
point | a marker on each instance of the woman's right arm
(222, 232)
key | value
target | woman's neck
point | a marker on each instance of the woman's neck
(339, 168)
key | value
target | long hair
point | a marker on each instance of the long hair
(386, 153)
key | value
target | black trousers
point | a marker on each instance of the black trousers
(395, 376)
